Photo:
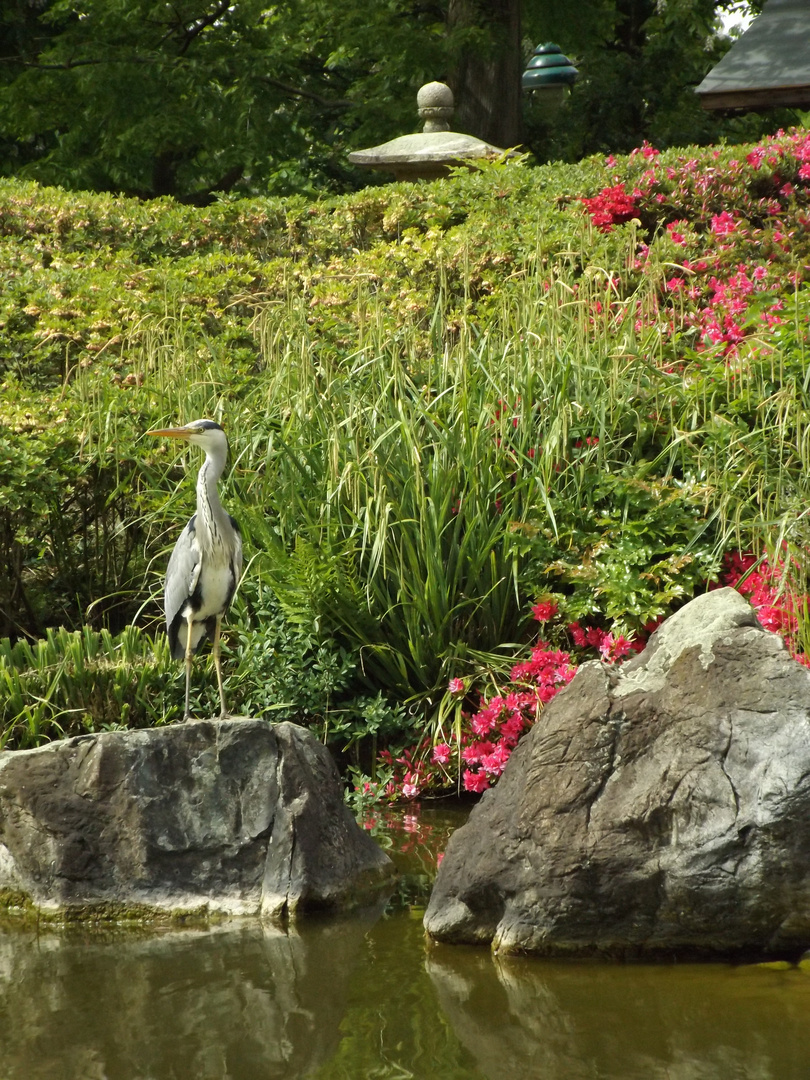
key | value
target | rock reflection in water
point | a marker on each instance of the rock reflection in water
(577, 1021)
(246, 1002)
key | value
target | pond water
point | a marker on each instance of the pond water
(365, 998)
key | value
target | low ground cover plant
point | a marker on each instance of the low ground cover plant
(562, 394)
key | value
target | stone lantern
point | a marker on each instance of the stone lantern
(432, 152)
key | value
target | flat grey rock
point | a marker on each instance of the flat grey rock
(233, 817)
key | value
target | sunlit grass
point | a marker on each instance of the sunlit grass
(392, 496)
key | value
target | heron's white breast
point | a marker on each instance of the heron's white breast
(216, 585)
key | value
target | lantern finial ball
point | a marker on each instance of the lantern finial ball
(435, 105)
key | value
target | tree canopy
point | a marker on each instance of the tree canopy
(194, 97)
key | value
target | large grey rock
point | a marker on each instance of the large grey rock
(230, 816)
(660, 808)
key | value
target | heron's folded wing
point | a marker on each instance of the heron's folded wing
(236, 560)
(182, 575)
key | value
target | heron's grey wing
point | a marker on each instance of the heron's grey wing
(182, 575)
(236, 557)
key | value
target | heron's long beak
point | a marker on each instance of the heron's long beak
(173, 432)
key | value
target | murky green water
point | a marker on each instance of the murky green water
(365, 998)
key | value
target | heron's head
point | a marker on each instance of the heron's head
(206, 434)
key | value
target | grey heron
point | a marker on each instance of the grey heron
(206, 563)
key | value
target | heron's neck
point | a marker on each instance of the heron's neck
(211, 518)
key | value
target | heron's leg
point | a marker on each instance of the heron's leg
(189, 627)
(218, 665)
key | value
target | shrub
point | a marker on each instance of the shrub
(445, 402)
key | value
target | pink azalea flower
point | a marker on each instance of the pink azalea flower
(546, 693)
(755, 158)
(512, 729)
(475, 781)
(622, 646)
(514, 702)
(495, 763)
(544, 610)
(722, 224)
(577, 633)
(475, 751)
(675, 236)
(564, 674)
(441, 753)
(484, 721)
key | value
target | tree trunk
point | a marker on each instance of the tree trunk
(486, 80)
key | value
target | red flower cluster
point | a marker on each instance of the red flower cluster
(722, 319)
(495, 730)
(407, 776)
(487, 737)
(612, 206)
(490, 735)
(761, 584)
(547, 671)
(544, 610)
(723, 224)
(610, 648)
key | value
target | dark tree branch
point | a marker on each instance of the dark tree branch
(69, 65)
(330, 103)
(206, 197)
(193, 31)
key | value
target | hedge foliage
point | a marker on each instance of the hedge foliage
(600, 368)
